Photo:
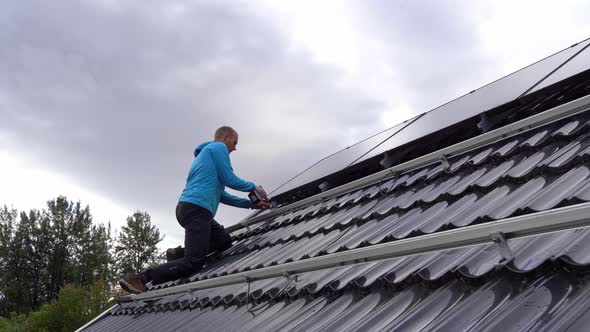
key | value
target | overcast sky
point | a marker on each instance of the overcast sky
(104, 101)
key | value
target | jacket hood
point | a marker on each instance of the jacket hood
(201, 147)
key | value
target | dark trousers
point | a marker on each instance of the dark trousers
(202, 235)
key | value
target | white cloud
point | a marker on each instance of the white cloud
(29, 186)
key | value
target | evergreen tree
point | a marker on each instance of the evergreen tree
(137, 242)
(43, 250)
(59, 212)
(7, 220)
(47, 249)
(7, 224)
(33, 233)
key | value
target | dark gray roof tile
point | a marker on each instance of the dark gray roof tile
(378, 270)
(475, 307)
(346, 278)
(447, 262)
(428, 310)
(536, 139)
(418, 221)
(357, 311)
(481, 207)
(389, 311)
(495, 173)
(368, 230)
(408, 266)
(559, 189)
(528, 163)
(440, 187)
(481, 156)
(483, 260)
(560, 150)
(567, 128)
(520, 313)
(577, 252)
(448, 215)
(419, 175)
(583, 193)
(538, 250)
(571, 154)
(518, 198)
(458, 163)
(467, 179)
(507, 148)
(393, 225)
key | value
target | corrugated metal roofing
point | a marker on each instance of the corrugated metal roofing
(542, 286)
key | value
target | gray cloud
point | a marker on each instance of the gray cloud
(433, 47)
(118, 97)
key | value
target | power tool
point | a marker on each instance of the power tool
(255, 197)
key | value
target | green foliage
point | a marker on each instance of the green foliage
(51, 259)
(8, 260)
(16, 323)
(46, 249)
(137, 244)
(72, 309)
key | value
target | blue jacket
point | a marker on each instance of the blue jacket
(210, 173)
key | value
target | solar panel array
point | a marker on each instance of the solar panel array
(532, 78)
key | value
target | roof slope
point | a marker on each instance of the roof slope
(542, 284)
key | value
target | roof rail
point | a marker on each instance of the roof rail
(557, 113)
(565, 218)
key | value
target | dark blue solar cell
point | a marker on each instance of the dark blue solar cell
(578, 64)
(487, 97)
(337, 161)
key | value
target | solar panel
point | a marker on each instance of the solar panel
(578, 64)
(485, 98)
(337, 161)
(499, 92)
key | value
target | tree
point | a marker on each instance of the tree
(7, 220)
(73, 308)
(47, 249)
(59, 212)
(137, 242)
(34, 234)
(80, 251)
(7, 224)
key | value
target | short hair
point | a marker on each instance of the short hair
(221, 132)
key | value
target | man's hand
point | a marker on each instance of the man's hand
(261, 192)
(263, 204)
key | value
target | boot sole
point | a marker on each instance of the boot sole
(129, 287)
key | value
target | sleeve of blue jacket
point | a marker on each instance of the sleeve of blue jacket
(226, 173)
(229, 199)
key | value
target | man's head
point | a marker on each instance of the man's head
(228, 136)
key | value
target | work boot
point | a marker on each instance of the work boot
(174, 253)
(133, 283)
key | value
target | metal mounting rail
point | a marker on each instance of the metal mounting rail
(576, 216)
(557, 113)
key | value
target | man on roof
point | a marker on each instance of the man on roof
(210, 173)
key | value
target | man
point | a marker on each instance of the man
(209, 174)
